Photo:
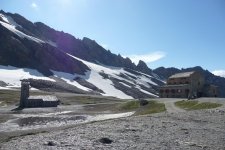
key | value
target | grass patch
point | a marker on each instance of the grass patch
(12, 97)
(186, 104)
(9, 97)
(195, 105)
(150, 108)
(129, 106)
(71, 100)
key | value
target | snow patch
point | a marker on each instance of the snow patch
(125, 84)
(96, 79)
(107, 85)
(9, 20)
(51, 43)
(11, 25)
(111, 116)
(19, 33)
(69, 78)
(12, 75)
(4, 88)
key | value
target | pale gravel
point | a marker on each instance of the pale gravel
(197, 130)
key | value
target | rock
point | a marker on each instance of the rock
(143, 102)
(3, 84)
(50, 143)
(105, 141)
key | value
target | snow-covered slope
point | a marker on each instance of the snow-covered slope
(131, 80)
(57, 59)
(11, 25)
(12, 75)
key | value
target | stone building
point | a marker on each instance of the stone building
(187, 85)
(27, 101)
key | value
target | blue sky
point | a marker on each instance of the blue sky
(169, 33)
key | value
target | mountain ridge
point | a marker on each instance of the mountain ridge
(66, 63)
(68, 60)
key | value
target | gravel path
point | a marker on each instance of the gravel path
(171, 108)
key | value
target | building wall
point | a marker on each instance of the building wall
(176, 81)
(24, 94)
(174, 91)
(211, 91)
(25, 102)
(197, 83)
(40, 103)
(184, 87)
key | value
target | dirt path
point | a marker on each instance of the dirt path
(170, 106)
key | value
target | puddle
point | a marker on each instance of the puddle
(32, 121)
(111, 116)
(57, 119)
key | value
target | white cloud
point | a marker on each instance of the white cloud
(147, 58)
(105, 46)
(34, 5)
(220, 73)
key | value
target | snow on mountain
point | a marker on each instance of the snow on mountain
(107, 85)
(11, 25)
(9, 20)
(70, 73)
(69, 78)
(12, 75)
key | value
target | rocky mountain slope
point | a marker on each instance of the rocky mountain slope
(56, 61)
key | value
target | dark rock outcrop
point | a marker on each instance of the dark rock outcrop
(143, 67)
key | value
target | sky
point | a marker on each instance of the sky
(168, 33)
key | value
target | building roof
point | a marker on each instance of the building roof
(182, 75)
(44, 97)
(175, 86)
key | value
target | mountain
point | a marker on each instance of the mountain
(52, 60)
(56, 61)
(210, 78)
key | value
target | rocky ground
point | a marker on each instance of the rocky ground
(201, 129)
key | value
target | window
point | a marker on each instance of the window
(172, 91)
(179, 90)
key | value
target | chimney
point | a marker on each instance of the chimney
(24, 93)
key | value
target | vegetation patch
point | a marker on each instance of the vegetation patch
(8, 97)
(195, 105)
(150, 108)
(129, 106)
(71, 100)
